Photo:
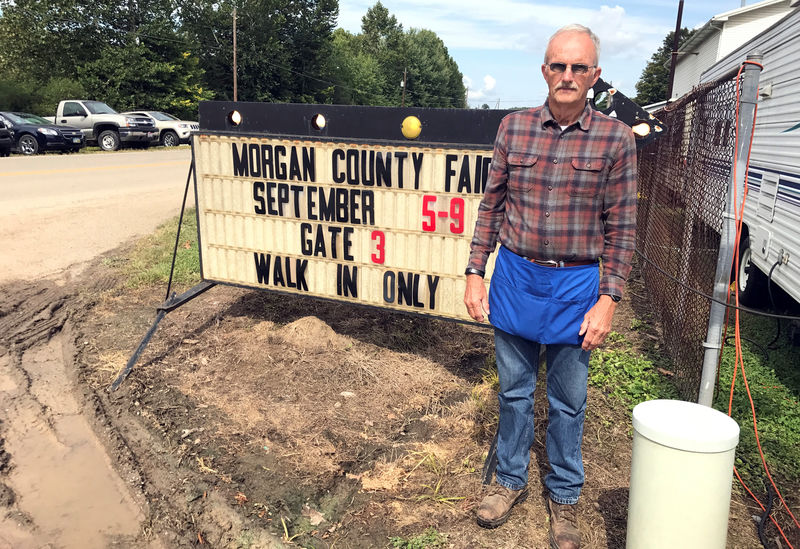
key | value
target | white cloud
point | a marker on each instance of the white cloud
(508, 38)
(477, 24)
(474, 94)
(489, 83)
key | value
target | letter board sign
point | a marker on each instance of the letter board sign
(335, 202)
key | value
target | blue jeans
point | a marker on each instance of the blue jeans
(567, 377)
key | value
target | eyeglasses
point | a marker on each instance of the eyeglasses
(577, 68)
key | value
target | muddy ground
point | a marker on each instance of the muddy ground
(260, 420)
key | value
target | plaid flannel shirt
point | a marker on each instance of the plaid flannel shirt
(556, 194)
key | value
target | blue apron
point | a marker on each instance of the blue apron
(542, 304)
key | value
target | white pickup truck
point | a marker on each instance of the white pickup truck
(105, 126)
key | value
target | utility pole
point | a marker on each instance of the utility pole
(403, 85)
(234, 54)
(675, 42)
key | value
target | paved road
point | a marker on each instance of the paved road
(59, 211)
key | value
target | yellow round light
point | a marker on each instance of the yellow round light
(411, 127)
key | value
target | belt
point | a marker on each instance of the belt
(554, 263)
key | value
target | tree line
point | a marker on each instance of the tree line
(170, 54)
(653, 84)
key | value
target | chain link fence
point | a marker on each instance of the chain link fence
(683, 181)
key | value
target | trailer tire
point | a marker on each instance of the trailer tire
(751, 281)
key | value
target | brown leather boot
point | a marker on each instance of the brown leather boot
(497, 503)
(564, 533)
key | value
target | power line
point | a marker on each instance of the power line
(712, 298)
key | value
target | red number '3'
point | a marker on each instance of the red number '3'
(380, 247)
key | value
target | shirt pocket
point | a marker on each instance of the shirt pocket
(586, 176)
(521, 170)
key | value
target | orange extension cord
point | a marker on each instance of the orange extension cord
(739, 358)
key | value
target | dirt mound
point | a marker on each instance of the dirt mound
(313, 335)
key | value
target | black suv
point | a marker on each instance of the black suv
(6, 140)
(34, 134)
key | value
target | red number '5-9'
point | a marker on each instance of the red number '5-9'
(380, 244)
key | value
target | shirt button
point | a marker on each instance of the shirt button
(555, 161)
(588, 164)
(546, 242)
(549, 187)
(547, 214)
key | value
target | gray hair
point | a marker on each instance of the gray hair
(575, 27)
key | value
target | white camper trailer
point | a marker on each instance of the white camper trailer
(770, 244)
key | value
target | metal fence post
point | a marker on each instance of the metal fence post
(712, 344)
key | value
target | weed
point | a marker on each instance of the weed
(614, 338)
(774, 381)
(489, 376)
(286, 537)
(486, 388)
(429, 538)
(435, 494)
(467, 465)
(430, 460)
(435, 465)
(151, 259)
(627, 376)
(637, 324)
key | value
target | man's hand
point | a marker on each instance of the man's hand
(475, 297)
(596, 323)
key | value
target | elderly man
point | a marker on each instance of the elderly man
(561, 198)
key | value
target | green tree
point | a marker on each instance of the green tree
(308, 35)
(262, 60)
(45, 99)
(433, 76)
(369, 67)
(382, 38)
(128, 54)
(16, 93)
(357, 75)
(39, 40)
(282, 46)
(380, 30)
(654, 82)
(133, 77)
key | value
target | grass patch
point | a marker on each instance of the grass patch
(94, 149)
(429, 538)
(774, 378)
(626, 375)
(150, 260)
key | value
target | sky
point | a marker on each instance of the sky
(499, 44)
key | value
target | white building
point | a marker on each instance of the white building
(721, 35)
